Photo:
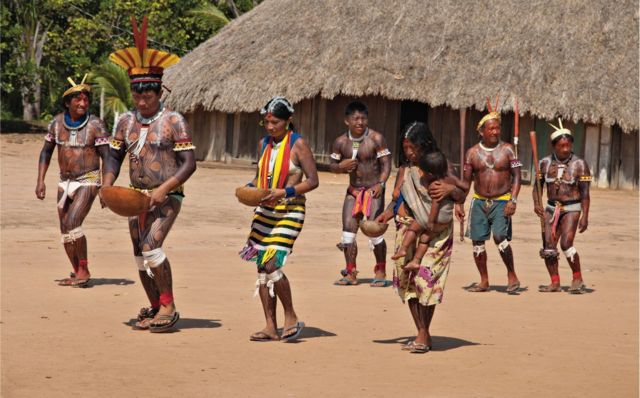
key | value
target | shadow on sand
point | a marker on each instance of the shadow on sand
(102, 281)
(440, 343)
(187, 323)
(309, 332)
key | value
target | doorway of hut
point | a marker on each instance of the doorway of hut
(410, 111)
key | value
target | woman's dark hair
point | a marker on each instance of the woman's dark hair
(356, 106)
(67, 98)
(567, 136)
(434, 163)
(141, 87)
(279, 107)
(418, 134)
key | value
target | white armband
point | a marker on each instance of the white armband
(336, 156)
(384, 152)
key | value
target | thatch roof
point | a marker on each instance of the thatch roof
(573, 58)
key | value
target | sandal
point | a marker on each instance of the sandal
(164, 327)
(419, 348)
(476, 288)
(298, 329)
(549, 289)
(408, 346)
(263, 337)
(577, 287)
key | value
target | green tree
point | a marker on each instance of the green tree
(112, 82)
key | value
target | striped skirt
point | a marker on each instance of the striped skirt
(274, 230)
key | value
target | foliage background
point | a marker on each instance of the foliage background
(80, 34)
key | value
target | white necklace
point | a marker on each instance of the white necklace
(359, 139)
(484, 148)
(144, 120)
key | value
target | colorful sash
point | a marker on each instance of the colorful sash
(275, 177)
(362, 204)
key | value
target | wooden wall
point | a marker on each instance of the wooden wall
(611, 154)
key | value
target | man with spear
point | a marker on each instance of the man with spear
(568, 179)
(495, 170)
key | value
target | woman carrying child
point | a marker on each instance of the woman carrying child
(422, 205)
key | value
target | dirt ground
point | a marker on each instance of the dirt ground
(65, 342)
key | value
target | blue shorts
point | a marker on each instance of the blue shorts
(485, 220)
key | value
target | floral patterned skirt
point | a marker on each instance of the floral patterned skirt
(427, 284)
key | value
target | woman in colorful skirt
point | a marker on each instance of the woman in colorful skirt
(422, 288)
(285, 157)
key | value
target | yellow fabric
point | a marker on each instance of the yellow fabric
(488, 116)
(277, 167)
(506, 196)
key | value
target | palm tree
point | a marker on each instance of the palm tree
(115, 86)
(210, 14)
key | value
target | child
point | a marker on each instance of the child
(434, 168)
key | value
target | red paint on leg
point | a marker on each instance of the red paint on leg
(351, 267)
(382, 267)
(165, 299)
(577, 275)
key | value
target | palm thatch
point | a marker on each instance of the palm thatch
(571, 58)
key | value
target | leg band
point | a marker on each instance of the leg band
(555, 278)
(140, 263)
(153, 258)
(380, 266)
(502, 246)
(550, 254)
(72, 235)
(478, 250)
(273, 277)
(376, 241)
(577, 275)
(262, 280)
(348, 238)
(570, 253)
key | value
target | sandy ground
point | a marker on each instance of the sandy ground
(64, 342)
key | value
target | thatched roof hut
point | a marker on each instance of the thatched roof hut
(571, 58)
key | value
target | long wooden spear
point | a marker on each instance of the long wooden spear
(463, 123)
(534, 148)
(516, 126)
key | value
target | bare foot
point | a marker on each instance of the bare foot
(411, 266)
(479, 287)
(266, 334)
(399, 254)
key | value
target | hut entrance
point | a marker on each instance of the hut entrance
(410, 111)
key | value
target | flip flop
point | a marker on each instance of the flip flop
(577, 288)
(475, 288)
(408, 346)
(262, 337)
(80, 283)
(513, 288)
(345, 282)
(547, 289)
(298, 327)
(419, 348)
(380, 283)
(142, 324)
(172, 318)
(66, 281)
